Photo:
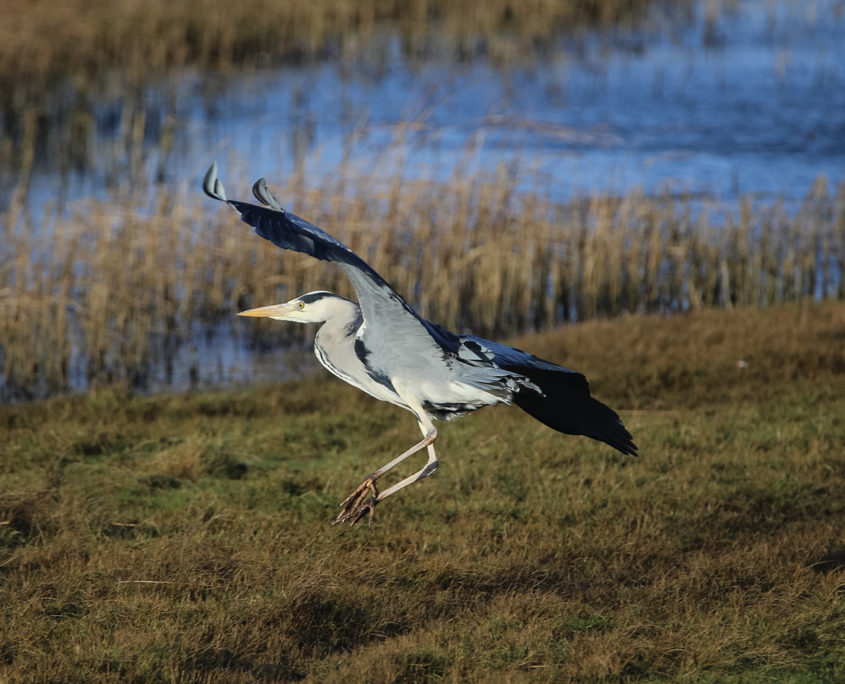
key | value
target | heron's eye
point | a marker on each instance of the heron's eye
(301, 305)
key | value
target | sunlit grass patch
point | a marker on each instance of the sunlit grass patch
(130, 548)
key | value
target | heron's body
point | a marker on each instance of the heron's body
(445, 392)
(383, 347)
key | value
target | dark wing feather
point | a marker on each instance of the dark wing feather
(564, 407)
(563, 401)
(384, 310)
(289, 231)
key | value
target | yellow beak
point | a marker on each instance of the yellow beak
(272, 311)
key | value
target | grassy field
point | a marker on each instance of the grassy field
(186, 538)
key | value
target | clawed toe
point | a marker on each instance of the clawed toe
(358, 504)
(356, 514)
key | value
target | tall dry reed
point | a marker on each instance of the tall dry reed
(100, 294)
(40, 42)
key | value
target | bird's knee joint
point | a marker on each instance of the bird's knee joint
(430, 469)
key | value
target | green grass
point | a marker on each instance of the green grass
(186, 538)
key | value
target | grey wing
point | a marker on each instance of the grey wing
(475, 349)
(386, 314)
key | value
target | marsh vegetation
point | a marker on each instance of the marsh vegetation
(470, 153)
(463, 150)
(110, 292)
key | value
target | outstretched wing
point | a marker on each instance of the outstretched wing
(385, 313)
(556, 396)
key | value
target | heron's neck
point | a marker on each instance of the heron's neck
(344, 322)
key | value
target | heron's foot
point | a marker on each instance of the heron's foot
(356, 514)
(358, 504)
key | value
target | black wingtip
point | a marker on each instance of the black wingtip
(604, 424)
(619, 438)
(566, 406)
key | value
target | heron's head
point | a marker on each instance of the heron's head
(313, 307)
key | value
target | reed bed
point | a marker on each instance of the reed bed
(108, 291)
(43, 41)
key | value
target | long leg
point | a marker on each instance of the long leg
(428, 469)
(357, 504)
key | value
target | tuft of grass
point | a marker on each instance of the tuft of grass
(128, 552)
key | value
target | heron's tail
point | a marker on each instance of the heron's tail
(566, 406)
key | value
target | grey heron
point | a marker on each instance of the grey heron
(383, 347)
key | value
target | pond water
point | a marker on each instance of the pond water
(721, 99)
(717, 100)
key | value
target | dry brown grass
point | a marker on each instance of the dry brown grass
(58, 59)
(186, 538)
(40, 42)
(102, 295)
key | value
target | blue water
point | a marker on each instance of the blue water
(750, 102)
